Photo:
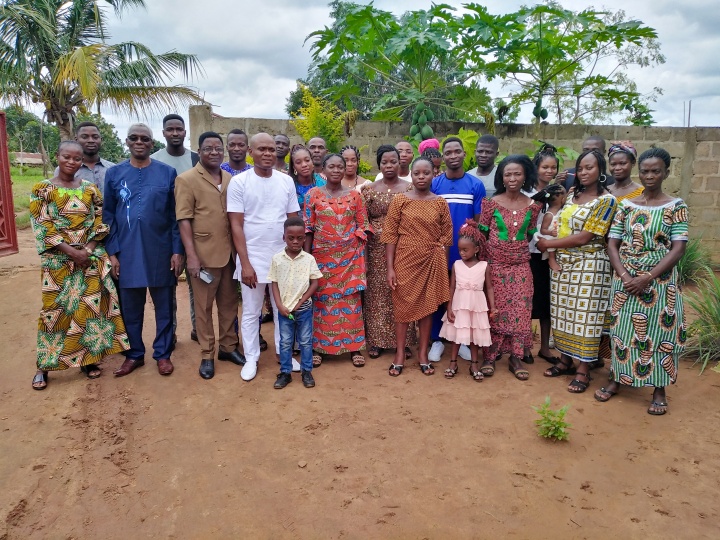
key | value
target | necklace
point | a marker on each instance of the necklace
(389, 189)
(354, 185)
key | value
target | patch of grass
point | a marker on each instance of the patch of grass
(552, 424)
(23, 181)
(704, 332)
(695, 263)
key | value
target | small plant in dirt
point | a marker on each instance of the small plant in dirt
(704, 333)
(695, 263)
(552, 424)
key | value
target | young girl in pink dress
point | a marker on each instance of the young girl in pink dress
(466, 321)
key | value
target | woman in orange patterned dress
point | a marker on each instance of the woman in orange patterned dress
(337, 227)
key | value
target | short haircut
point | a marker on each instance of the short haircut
(528, 169)
(450, 140)
(208, 135)
(279, 135)
(597, 138)
(384, 149)
(488, 139)
(173, 117)
(69, 143)
(237, 131)
(85, 124)
(294, 221)
(139, 125)
(660, 153)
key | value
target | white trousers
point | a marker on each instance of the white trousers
(252, 302)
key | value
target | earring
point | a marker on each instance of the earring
(295, 172)
(603, 178)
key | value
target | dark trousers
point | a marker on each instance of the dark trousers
(132, 305)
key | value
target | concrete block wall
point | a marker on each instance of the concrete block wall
(694, 173)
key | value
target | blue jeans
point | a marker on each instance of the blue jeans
(301, 329)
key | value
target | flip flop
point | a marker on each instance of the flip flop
(658, 404)
(40, 378)
(397, 368)
(603, 395)
(374, 352)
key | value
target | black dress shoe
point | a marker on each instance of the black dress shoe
(283, 379)
(207, 369)
(236, 357)
(263, 343)
(307, 379)
(193, 335)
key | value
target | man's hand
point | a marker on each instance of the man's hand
(561, 177)
(193, 266)
(115, 270)
(282, 310)
(248, 276)
(177, 262)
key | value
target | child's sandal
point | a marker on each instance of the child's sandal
(427, 369)
(450, 372)
(397, 368)
(476, 375)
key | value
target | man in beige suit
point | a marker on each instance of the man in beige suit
(200, 208)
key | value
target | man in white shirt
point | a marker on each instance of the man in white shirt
(486, 151)
(406, 154)
(259, 201)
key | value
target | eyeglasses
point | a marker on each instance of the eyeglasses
(142, 138)
(210, 150)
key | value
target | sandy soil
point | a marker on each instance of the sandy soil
(362, 455)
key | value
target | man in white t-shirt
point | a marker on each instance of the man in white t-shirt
(486, 150)
(405, 151)
(259, 201)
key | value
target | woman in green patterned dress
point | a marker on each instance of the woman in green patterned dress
(80, 321)
(647, 325)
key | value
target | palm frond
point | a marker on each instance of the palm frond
(143, 101)
(80, 68)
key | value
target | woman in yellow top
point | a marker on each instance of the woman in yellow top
(80, 321)
(621, 161)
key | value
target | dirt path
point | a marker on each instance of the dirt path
(362, 455)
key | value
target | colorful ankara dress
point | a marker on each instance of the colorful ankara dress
(80, 321)
(422, 229)
(648, 331)
(579, 294)
(508, 255)
(339, 228)
(469, 306)
(379, 320)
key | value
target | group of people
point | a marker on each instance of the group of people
(415, 257)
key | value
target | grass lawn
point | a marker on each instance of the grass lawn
(22, 183)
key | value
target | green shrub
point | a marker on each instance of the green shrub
(704, 333)
(320, 118)
(552, 424)
(469, 139)
(22, 220)
(695, 263)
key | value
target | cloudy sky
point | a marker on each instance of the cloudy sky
(252, 52)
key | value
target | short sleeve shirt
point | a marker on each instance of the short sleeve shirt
(293, 275)
(488, 181)
(464, 197)
(265, 203)
(179, 163)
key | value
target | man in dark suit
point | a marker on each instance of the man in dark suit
(201, 211)
(144, 246)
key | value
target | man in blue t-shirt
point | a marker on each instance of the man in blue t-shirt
(464, 194)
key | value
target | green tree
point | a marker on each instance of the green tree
(320, 118)
(551, 56)
(377, 62)
(56, 53)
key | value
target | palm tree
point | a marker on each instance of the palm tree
(55, 53)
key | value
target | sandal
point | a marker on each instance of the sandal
(397, 368)
(488, 368)
(577, 386)
(427, 369)
(91, 371)
(408, 353)
(358, 360)
(374, 352)
(603, 395)
(528, 359)
(476, 375)
(450, 372)
(597, 364)
(263, 343)
(40, 380)
(657, 408)
(317, 360)
(561, 368)
(517, 370)
(551, 359)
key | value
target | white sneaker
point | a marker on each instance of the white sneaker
(464, 352)
(248, 371)
(295, 366)
(436, 351)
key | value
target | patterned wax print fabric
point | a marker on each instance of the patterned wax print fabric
(80, 321)
(379, 319)
(647, 332)
(580, 292)
(508, 254)
(421, 229)
(339, 226)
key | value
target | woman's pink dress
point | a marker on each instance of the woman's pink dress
(469, 306)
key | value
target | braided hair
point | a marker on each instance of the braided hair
(547, 150)
(660, 153)
(351, 147)
(431, 153)
(549, 194)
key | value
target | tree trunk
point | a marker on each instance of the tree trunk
(66, 129)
